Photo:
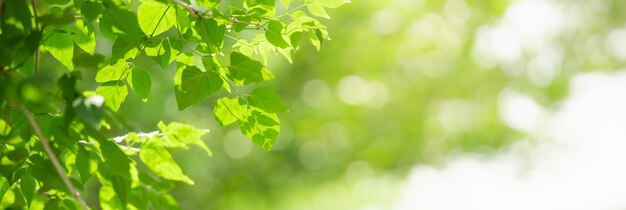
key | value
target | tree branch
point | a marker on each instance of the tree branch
(195, 12)
(46, 146)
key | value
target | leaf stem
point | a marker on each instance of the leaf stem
(46, 146)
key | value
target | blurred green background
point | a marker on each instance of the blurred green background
(402, 83)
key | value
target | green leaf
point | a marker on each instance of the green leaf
(85, 165)
(294, 38)
(317, 9)
(181, 133)
(267, 100)
(120, 22)
(28, 185)
(210, 33)
(286, 3)
(274, 34)
(84, 37)
(108, 199)
(333, 3)
(159, 160)
(59, 2)
(114, 93)
(229, 110)
(243, 70)
(115, 159)
(155, 17)
(261, 127)
(192, 86)
(139, 80)
(121, 186)
(91, 10)
(4, 186)
(60, 45)
(117, 71)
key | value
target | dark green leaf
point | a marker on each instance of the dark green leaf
(211, 33)
(116, 161)
(4, 186)
(274, 34)
(192, 86)
(28, 186)
(91, 10)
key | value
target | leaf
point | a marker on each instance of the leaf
(229, 110)
(155, 17)
(159, 160)
(91, 10)
(85, 165)
(84, 37)
(139, 80)
(121, 186)
(243, 70)
(120, 22)
(317, 9)
(210, 33)
(114, 93)
(294, 38)
(4, 186)
(267, 100)
(89, 109)
(108, 199)
(28, 185)
(274, 34)
(181, 133)
(115, 159)
(286, 3)
(60, 45)
(333, 3)
(192, 86)
(117, 71)
(261, 127)
(59, 2)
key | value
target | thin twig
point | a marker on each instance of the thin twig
(195, 12)
(46, 146)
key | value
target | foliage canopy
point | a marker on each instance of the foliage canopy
(54, 138)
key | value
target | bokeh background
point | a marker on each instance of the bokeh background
(417, 104)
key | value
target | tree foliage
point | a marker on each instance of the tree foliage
(53, 136)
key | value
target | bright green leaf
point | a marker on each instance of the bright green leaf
(60, 45)
(159, 160)
(139, 80)
(267, 100)
(155, 17)
(317, 9)
(243, 70)
(261, 127)
(114, 93)
(4, 186)
(181, 133)
(108, 199)
(229, 110)
(117, 71)
(333, 3)
(84, 37)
